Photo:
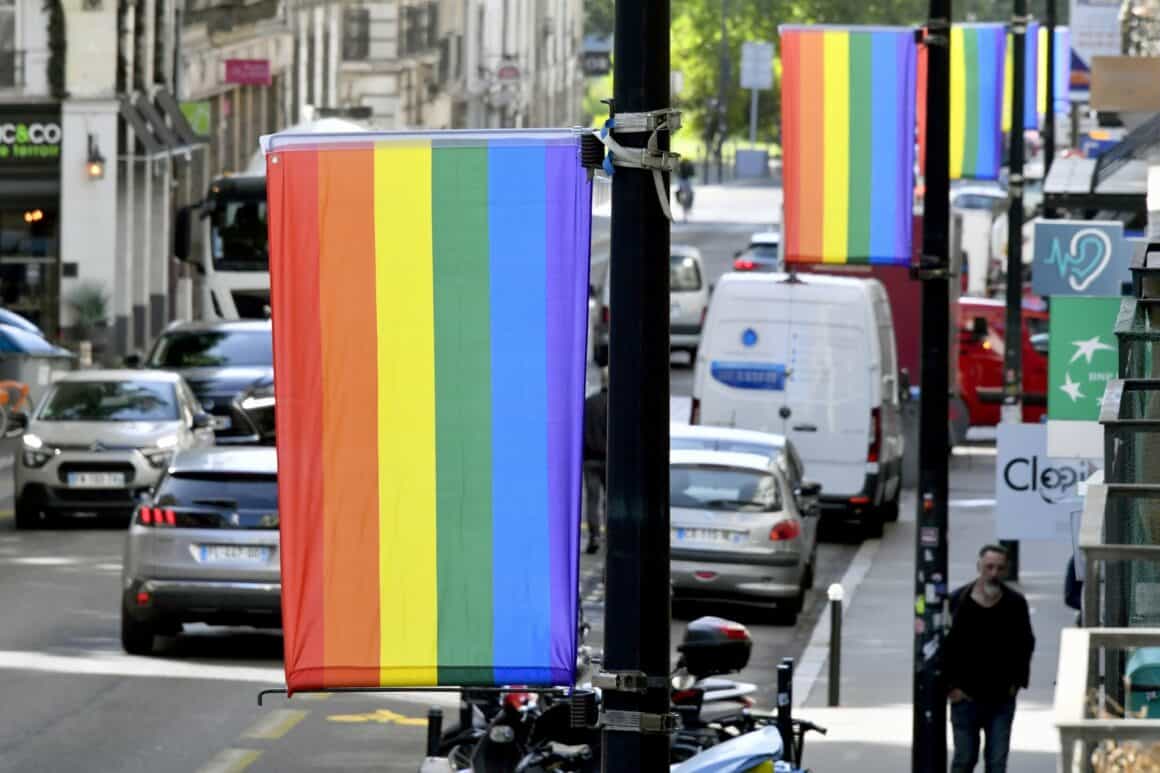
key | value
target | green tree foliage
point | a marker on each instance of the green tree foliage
(599, 17)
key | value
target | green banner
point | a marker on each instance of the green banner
(198, 115)
(1082, 355)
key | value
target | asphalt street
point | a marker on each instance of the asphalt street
(73, 701)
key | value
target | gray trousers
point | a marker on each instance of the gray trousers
(594, 498)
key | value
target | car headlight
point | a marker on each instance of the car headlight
(33, 441)
(158, 457)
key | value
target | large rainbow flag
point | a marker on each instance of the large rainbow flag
(977, 51)
(848, 135)
(429, 309)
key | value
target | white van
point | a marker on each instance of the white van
(811, 357)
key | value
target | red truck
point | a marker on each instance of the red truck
(981, 326)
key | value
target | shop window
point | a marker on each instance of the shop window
(10, 59)
(356, 34)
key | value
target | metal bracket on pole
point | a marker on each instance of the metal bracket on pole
(1015, 185)
(650, 158)
(637, 722)
(1019, 24)
(935, 33)
(629, 681)
(931, 267)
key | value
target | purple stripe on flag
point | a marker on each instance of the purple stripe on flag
(566, 294)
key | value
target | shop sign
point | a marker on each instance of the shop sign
(30, 135)
(248, 72)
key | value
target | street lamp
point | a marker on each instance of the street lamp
(95, 166)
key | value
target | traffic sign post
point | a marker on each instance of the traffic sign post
(756, 75)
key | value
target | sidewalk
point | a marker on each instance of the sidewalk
(871, 730)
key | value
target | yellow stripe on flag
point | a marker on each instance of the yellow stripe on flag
(836, 165)
(1008, 76)
(1041, 79)
(408, 609)
(958, 101)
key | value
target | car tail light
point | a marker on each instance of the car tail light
(735, 631)
(695, 414)
(860, 500)
(156, 516)
(784, 530)
(744, 264)
(685, 696)
(605, 315)
(875, 435)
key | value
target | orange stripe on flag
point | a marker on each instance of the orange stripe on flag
(791, 142)
(811, 92)
(350, 504)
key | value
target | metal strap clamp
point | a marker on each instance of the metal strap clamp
(651, 157)
(629, 681)
(638, 722)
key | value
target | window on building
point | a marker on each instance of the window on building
(432, 25)
(9, 56)
(356, 34)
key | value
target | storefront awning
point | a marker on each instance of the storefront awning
(159, 125)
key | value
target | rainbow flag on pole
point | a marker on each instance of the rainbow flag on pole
(848, 135)
(976, 90)
(1062, 71)
(1031, 78)
(430, 311)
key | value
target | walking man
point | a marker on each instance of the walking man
(595, 453)
(987, 659)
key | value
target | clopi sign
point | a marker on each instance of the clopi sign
(1079, 257)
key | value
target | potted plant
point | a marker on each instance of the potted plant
(90, 305)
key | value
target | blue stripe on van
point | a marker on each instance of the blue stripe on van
(750, 375)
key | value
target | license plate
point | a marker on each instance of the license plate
(722, 536)
(234, 553)
(96, 479)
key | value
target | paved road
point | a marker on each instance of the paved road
(75, 701)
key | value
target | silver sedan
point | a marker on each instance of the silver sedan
(737, 533)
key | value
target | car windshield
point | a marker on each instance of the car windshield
(710, 487)
(232, 491)
(764, 251)
(239, 237)
(111, 401)
(213, 349)
(684, 276)
(721, 444)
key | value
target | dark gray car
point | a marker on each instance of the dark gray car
(230, 367)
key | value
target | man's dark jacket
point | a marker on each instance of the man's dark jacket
(988, 649)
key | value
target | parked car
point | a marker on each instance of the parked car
(688, 302)
(737, 534)
(204, 547)
(762, 254)
(100, 439)
(982, 325)
(811, 357)
(230, 367)
(743, 441)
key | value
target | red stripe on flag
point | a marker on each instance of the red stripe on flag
(292, 191)
(791, 142)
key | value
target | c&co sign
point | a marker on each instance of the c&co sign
(30, 136)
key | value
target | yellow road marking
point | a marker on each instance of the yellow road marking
(5, 514)
(382, 716)
(313, 696)
(231, 761)
(275, 724)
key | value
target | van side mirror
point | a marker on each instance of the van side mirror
(133, 360)
(183, 234)
(979, 328)
(202, 420)
(17, 423)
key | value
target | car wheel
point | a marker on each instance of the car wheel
(136, 636)
(872, 525)
(786, 613)
(26, 514)
(808, 576)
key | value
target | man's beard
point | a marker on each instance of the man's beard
(991, 588)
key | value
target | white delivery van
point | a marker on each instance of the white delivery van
(811, 357)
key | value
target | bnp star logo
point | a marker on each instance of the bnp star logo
(1083, 359)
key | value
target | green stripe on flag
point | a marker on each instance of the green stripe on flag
(861, 147)
(459, 217)
(971, 124)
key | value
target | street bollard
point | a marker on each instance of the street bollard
(785, 707)
(434, 730)
(835, 594)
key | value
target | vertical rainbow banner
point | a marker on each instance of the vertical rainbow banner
(1062, 71)
(848, 136)
(1031, 78)
(977, 50)
(430, 311)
